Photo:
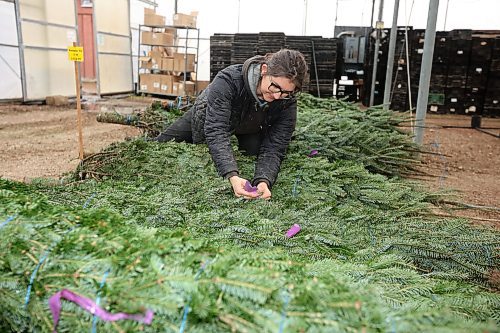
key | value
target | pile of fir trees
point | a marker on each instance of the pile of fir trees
(144, 226)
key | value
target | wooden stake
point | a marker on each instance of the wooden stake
(78, 109)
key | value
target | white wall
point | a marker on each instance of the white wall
(289, 16)
(10, 84)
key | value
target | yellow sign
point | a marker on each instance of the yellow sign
(75, 53)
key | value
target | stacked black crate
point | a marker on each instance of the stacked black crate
(492, 97)
(416, 54)
(323, 69)
(439, 71)
(477, 75)
(244, 47)
(459, 50)
(303, 45)
(220, 52)
(378, 94)
(270, 42)
(399, 87)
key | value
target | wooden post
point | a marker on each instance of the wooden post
(78, 109)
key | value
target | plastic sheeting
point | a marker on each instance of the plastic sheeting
(113, 46)
(10, 84)
(48, 28)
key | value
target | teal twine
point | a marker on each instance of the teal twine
(32, 278)
(186, 307)
(283, 313)
(88, 200)
(393, 324)
(10, 218)
(98, 300)
(33, 275)
(296, 183)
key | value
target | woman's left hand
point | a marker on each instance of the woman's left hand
(264, 190)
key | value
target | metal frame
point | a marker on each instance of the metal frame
(20, 43)
(186, 47)
(97, 52)
(21, 46)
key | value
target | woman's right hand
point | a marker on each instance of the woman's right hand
(238, 184)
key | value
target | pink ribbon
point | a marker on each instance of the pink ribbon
(313, 153)
(249, 188)
(293, 230)
(90, 306)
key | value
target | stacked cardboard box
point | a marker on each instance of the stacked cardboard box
(166, 70)
(185, 20)
(152, 19)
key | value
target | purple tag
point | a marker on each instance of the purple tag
(313, 153)
(293, 230)
(249, 188)
(89, 306)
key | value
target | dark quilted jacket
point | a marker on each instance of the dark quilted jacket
(228, 107)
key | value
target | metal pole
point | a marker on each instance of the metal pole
(425, 72)
(304, 28)
(20, 44)
(390, 57)
(315, 67)
(379, 27)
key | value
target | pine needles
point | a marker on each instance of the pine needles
(174, 239)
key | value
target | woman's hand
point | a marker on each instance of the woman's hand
(238, 184)
(264, 191)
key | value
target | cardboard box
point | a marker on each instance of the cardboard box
(152, 19)
(167, 64)
(156, 83)
(150, 62)
(185, 20)
(180, 64)
(145, 82)
(161, 51)
(166, 84)
(181, 88)
(201, 85)
(157, 38)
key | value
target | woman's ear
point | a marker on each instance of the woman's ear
(263, 69)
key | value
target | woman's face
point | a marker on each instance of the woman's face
(275, 87)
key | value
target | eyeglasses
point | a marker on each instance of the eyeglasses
(275, 88)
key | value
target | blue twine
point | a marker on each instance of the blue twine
(186, 307)
(10, 218)
(296, 183)
(32, 279)
(283, 313)
(373, 240)
(393, 324)
(33, 275)
(88, 200)
(45, 255)
(98, 300)
(444, 173)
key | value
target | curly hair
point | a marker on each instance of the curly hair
(287, 63)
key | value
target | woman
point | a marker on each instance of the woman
(256, 102)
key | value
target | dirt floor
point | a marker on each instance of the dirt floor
(42, 141)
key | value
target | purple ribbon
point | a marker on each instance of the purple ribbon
(90, 306)
(312, 153)
(249, 188)
(293, 231)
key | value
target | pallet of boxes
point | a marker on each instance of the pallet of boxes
(165, 69)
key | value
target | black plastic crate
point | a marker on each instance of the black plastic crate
(477, 76)
(481, 50)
